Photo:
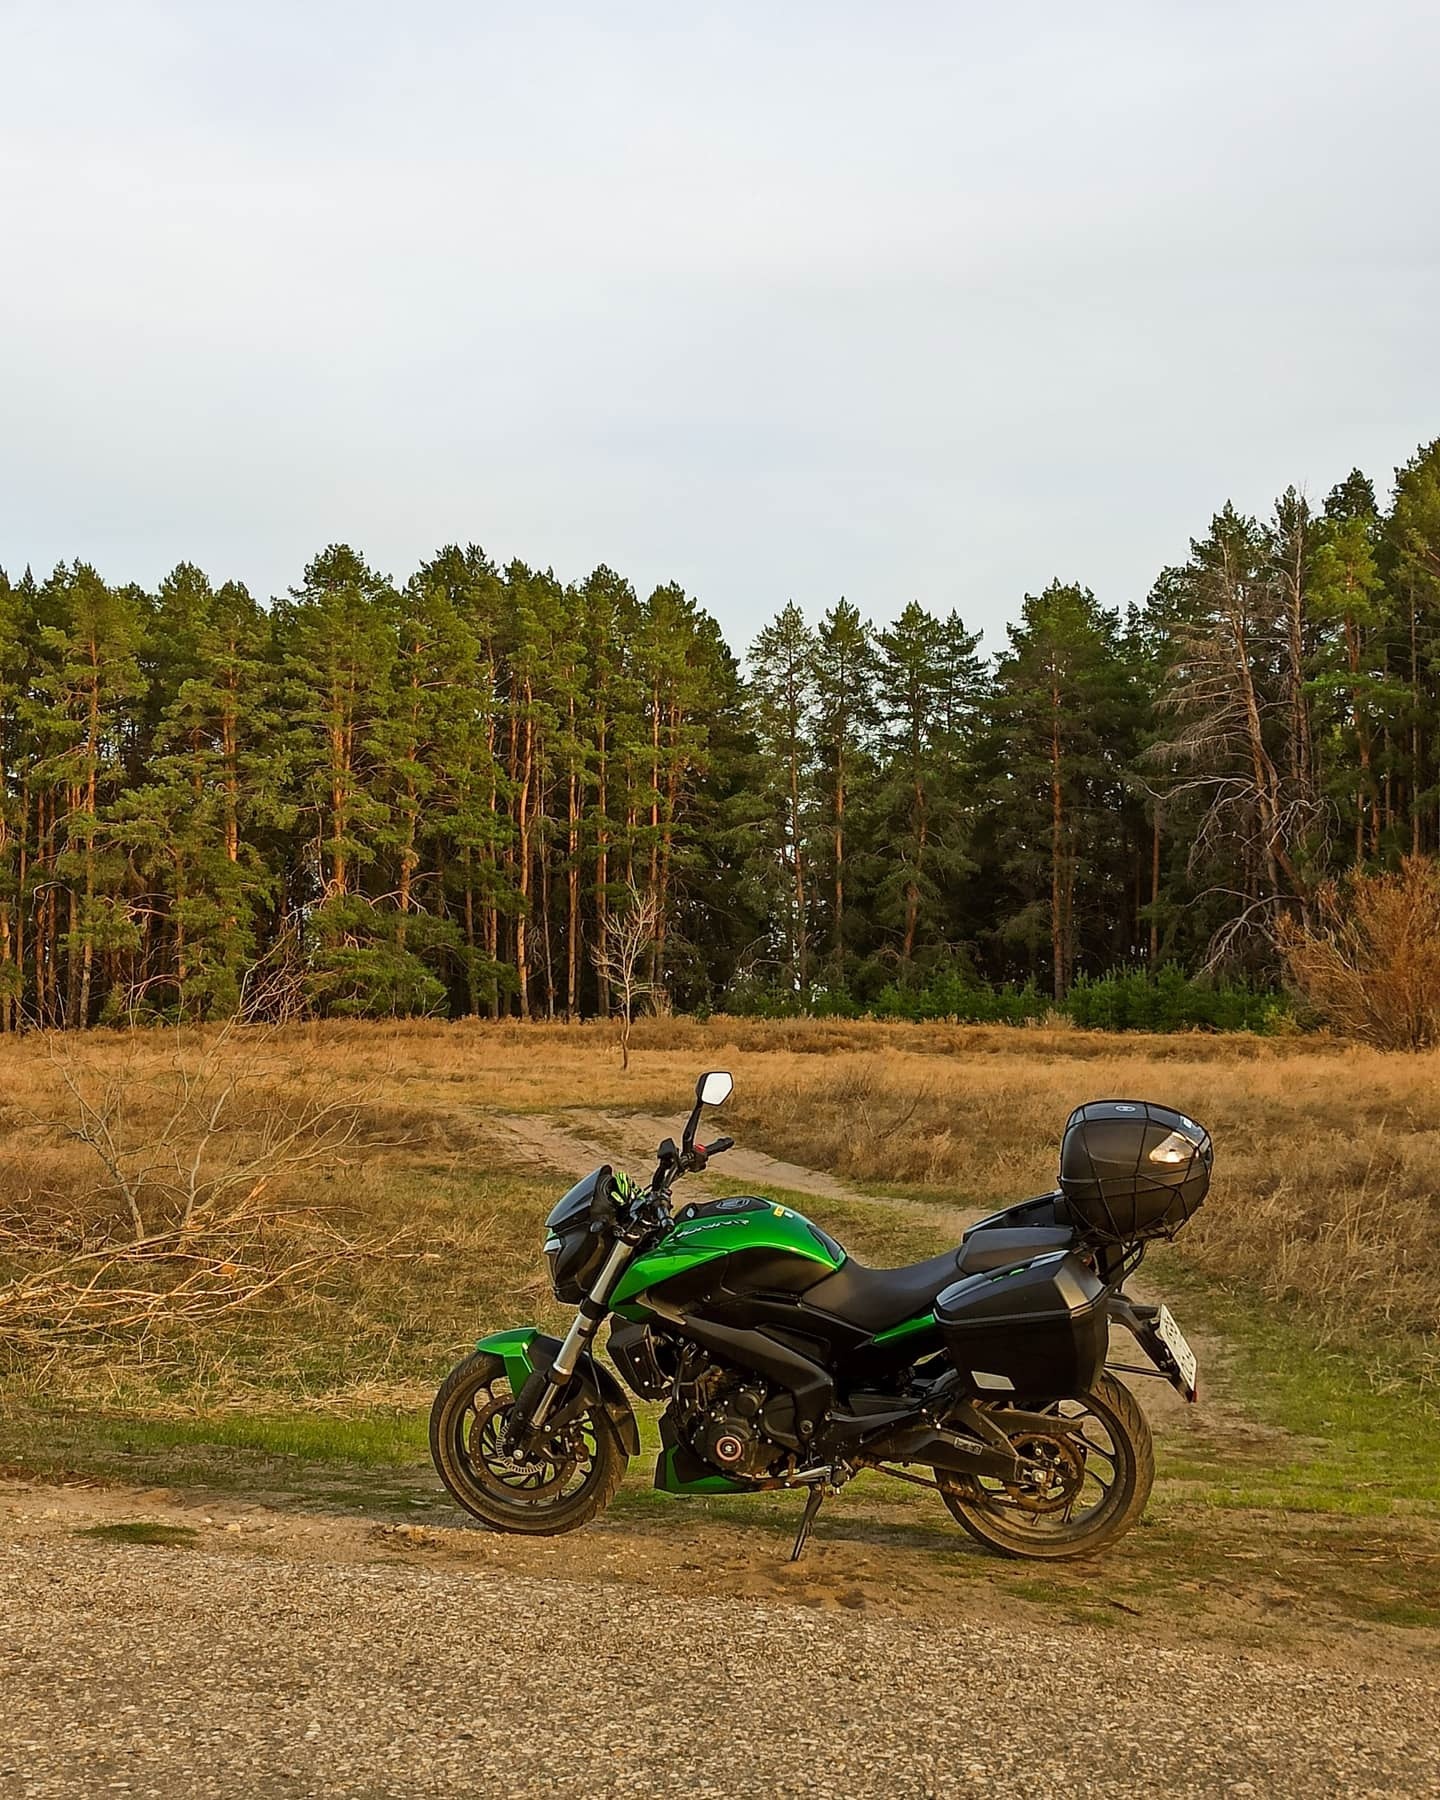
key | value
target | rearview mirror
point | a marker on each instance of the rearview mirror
(712, 1089)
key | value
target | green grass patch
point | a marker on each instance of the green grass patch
(230, 1449)
(143, 1531)
(1342, 1432)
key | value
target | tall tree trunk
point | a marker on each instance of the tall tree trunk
(1301, 752)
(667, 840)
(1416, 780)
(1155, 885)
(20, 879)
(1059, 923)
(230, 769)
(472, 985)
(572, 875)
(602, 851)
(839, 920)
(522, 948)
(546, 946)
(654, 880)
(800, 947)
(919, 827)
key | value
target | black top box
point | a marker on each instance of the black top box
(1131, 1170)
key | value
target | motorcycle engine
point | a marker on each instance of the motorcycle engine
(721, 1417)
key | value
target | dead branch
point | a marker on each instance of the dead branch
(192, 1216)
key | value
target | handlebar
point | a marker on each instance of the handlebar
(674, 1163)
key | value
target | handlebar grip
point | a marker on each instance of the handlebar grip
(725, 1143)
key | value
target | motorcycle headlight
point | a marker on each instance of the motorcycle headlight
(552, 1259)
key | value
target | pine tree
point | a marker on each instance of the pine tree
(88, 675)
(16, 606)
(198, 828)
(1066, 716)
(845, 721)
(608, 613)
(782, 700)
(1351, 612)
(1412, 547)
(917, 805)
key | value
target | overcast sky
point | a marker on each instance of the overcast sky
(777, 301)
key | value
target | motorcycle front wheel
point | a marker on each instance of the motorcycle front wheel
(1082, 1486)
(568, 1481)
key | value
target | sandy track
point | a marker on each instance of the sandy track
(576, 1142)
(169, 1672)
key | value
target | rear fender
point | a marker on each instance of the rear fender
(527, 1353)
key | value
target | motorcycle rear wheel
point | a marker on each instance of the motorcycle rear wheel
(572, 1481)
(1088, 1486)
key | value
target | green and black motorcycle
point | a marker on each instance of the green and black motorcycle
(784, 1363)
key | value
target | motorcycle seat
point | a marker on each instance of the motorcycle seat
(876, 1299)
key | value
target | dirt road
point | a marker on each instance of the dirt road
(135, 1670)
(579, 1140)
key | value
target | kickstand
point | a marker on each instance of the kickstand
(814, 1500)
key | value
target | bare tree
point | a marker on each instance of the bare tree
(1234, 689)
(620, 956)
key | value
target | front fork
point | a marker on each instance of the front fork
(527, 1420)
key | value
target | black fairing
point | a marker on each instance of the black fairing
(576, 1204)
(578, 1250)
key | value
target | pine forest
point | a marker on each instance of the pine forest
(440, 795)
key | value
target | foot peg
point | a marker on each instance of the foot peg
(814, 1500)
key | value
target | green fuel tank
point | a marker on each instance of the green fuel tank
(776, 1247)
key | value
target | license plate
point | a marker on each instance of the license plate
(1173, 1339)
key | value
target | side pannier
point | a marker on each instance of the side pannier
(1038, 1332)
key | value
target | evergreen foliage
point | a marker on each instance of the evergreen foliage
(433, 796)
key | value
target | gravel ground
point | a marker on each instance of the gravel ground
(138, 1670)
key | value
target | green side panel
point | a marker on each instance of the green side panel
(669, 1483)
(513, 1347)
(694, 1241)
(655, 1266)
(909, 1328)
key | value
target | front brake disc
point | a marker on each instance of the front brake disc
(514, 1477)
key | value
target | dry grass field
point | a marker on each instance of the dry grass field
(383, 1189)
(407, 1201)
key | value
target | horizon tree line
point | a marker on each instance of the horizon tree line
(436, 795)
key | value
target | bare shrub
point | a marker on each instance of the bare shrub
(629, 933)
(1371, 965)
(190, 1210)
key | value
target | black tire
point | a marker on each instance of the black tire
(1113, 1484)
(587, 1465)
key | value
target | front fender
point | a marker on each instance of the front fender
(516, 1349)
(527, 1350)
